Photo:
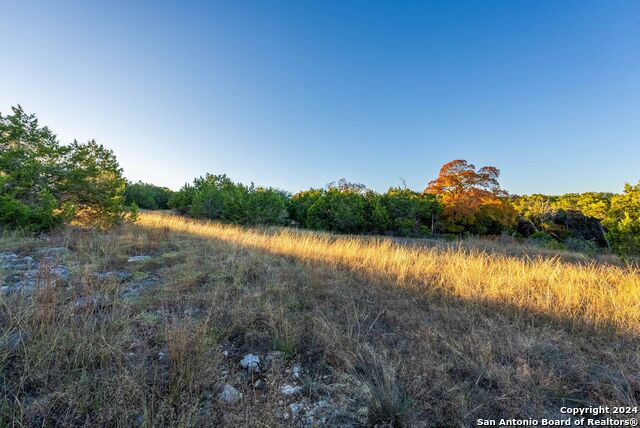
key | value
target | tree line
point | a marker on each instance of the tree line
(44, 183)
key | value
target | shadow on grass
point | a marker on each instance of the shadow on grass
(603, 328)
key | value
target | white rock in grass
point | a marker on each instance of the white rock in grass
(134, 259)
(230, 394)
(295, 408)
(290, 390)
(296, 371)
(251, 363)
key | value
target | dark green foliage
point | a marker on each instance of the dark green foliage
(377, 215)
(183, 199)
(217, 197)
(301, 202)
(411, 213)
(349, 208)
(93, 185)
(43, 183)
(267, 206)
(338, 211)
(147, 196)
(30, 161)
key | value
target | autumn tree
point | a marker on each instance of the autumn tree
(472, 199)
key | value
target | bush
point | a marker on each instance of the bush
(411, 213)
(301, 202)
(217, 197)
(183, 199)
(267, 206)
(93, 185)
(147, 196)
(337, 210)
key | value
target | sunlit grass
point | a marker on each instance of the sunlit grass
(601, 295)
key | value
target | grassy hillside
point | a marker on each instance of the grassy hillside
(348, 331)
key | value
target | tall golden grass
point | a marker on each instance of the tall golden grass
(603, 296)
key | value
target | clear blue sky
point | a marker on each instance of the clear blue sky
(297, 94)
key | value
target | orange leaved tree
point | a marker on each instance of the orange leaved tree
(472, 199)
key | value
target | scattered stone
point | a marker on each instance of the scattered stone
(225, 353)
(136, 288)
(23, 274)
(136, 259)
(162, 356)
(229, 394)
(259, 384)
(295, 408)
(290, 390)
(251, 363)
(13, 262)
(273, 355)
(296, 371)
(119, 275)
(53, 251)
(62, 272)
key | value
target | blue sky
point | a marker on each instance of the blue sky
(297, 94)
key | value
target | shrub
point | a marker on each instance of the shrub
(338, 210)
(93, 185)
(300, 204)
(182, 200)
(147, 196)
(217, 197)
(267, 206)
(411, 213)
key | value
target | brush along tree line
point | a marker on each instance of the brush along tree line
(44, 184)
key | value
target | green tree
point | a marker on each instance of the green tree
(411, 213)
(342, 211)
(93, 185)
(300, 204)
(43, 183)
(267, 206)
(147, 196)
(30, 170)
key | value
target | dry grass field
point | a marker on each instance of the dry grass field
(349, 331)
